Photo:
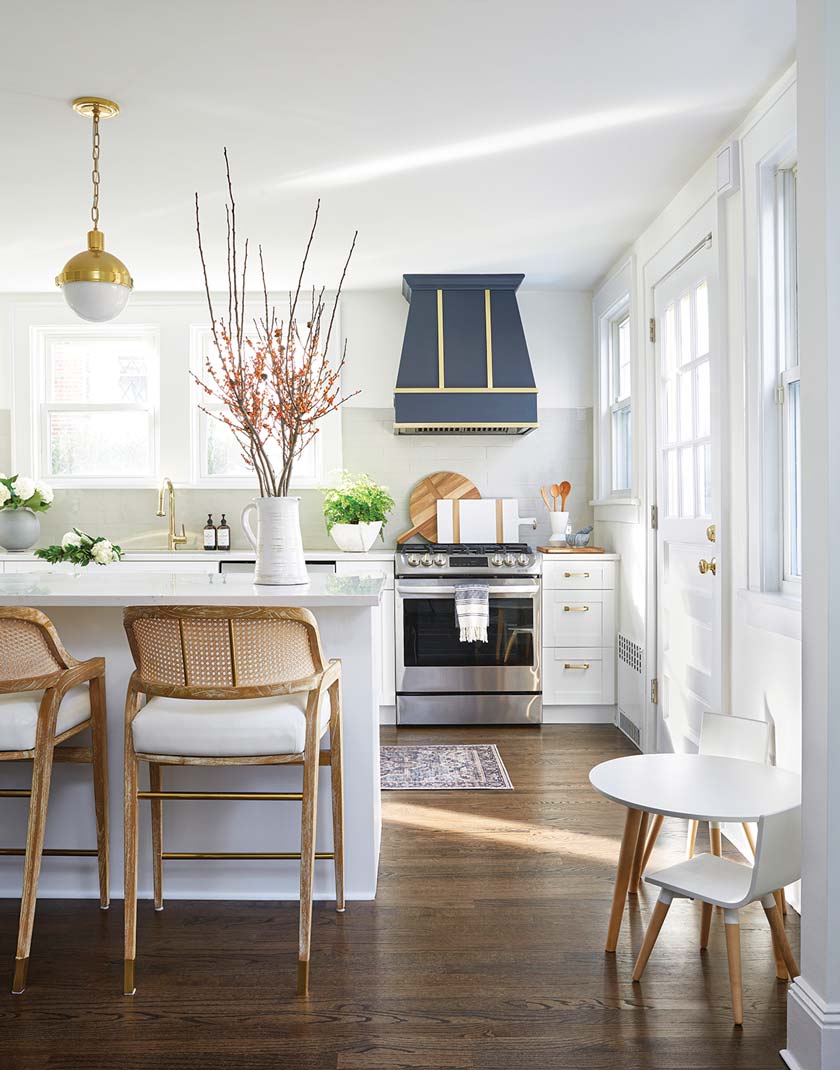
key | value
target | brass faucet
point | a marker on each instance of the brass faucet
(173, 540)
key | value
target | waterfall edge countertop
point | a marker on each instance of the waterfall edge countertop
(101, 586)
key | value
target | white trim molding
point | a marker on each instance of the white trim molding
(813, 1030)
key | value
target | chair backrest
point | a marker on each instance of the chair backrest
(243, 651)
(30, 649)
(778, 852)
(722, 736)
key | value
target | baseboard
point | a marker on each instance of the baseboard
(578, 714)
(387, 714)
(813, 1030)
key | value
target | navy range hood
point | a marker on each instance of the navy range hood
(464, 368)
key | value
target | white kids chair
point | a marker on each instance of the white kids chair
(730, 885)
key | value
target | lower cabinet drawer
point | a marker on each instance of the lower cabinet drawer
(578, 618)
(578, 676)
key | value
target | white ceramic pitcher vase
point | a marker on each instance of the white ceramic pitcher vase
(278, 543)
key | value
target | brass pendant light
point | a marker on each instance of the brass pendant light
(95, 283)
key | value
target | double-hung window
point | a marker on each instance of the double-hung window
(787, 393)
(621, 432)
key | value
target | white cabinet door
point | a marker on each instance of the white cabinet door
(387, 694)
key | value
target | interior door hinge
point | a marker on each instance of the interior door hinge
(652, 329)
(654, 516)
(654, 691)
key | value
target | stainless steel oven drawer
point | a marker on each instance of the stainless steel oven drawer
(469, 709)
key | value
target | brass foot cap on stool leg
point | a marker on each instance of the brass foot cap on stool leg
(128, 978)
(303, 979)
(21, 969)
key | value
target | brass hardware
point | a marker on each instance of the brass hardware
(652, 331)
(90, 106)
(440, 338)
(173, 541)
(654, 691)
(488, 334)
(569, 575)
(575, 609)
(654, 516)
(284, 796)
(15, 793)
(474, 423)
(571, 665)
(53, 852)
(248, 855)
(711, 533)
(707, 566)
(466, 390)
(21, 970)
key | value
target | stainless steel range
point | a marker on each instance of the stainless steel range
(441, 680)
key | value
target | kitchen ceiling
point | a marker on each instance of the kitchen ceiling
(468, 136)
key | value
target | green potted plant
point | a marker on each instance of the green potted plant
(21, 499)
(355, 511)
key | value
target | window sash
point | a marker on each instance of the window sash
(791, 485)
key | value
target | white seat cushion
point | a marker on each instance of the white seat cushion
(221, 728)
(19, 715)
(707, 877)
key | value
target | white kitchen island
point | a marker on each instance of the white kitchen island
(87, 610)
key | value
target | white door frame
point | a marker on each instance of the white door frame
(708, 219)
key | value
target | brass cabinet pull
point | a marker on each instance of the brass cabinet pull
(569, 575)
(575, 609)
(705, 566)
(583, 665)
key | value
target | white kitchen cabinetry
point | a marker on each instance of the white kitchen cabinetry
(579, 628)
(387, 653)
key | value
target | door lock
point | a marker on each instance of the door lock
(707, 566)
(711, 533)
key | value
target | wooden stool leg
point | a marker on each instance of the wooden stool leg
(99, 748)
(715, 839)
(157, 833)
(622, 876)
(337, 789)
(638, 854)
(657, 918)
(781, 903)
(309, 811)
(38, 801)
(692, 839)
(733, 954)
(779, 937)
(653, 836)
(705, 925)
(130, 814)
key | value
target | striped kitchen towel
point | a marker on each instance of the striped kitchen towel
(472, 611)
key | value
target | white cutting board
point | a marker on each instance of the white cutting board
(480, 520)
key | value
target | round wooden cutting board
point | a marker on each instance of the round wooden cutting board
(422, 505)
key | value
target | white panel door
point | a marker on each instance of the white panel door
(689, 638)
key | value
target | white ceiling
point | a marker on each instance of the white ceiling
(457, 135)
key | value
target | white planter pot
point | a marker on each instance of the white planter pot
(19, 529)
(559, 523)
(277, 543)
(356, 538)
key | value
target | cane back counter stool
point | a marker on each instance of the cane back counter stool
(43, 702)
(227, 685)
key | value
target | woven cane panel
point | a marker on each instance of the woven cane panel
(207, 652)
(271, 651)
(24, 651)
(159, 644)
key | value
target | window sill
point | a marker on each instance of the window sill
(617, 510)
(774, 612)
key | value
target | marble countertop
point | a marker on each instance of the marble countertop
(111, 587)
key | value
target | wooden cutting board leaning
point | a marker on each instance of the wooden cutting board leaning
(422, 505)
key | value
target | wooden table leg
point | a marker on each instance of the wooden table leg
(622, 875)
(714, 838)
(641, 843)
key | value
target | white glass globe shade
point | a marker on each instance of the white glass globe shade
(96, 301)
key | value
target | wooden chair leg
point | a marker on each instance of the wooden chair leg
(779, 937)
(622, 876)
(653, 836)
(745, 825)
(638, 854)
(715, 839)
(130, 815)
(781, 902)
(157, 833)
(733, 954)
(38, 801)
(692, 839)
(657, 918)
(337, 790)
(705, 925)
(309, 811)
(99, 748)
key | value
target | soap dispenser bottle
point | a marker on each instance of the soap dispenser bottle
(223, 535)
(210, 533)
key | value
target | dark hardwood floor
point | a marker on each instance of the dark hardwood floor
(484, 949)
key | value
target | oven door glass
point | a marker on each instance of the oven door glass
(431, 638)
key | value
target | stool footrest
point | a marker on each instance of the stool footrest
(281, 796)
(15, 793)
(241, 855)
(51, 851)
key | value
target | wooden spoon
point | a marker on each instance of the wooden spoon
(564, 490)
(554, 491)
(545, 498)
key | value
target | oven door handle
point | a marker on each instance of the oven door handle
(448, 592)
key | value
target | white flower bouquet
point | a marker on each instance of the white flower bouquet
(79, 548)
(22, 492)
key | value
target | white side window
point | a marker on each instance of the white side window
(621, 429)
(788, 370)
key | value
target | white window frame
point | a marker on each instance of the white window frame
(787, 335)
(620, 404)
(40, 339)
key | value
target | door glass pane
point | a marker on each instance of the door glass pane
(431, 634)
(701, 312)
(99, 444)
(686, 406)
(704, 480)
(704, 400)
(685, 328)
(669, 340)
(670, 412)
(687, 482)
(672, 505)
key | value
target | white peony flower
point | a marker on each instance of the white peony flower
(68, 539)
(46, 492)
(5, 494)
(102, 552)
(24, 487)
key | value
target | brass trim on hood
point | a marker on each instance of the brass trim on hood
(440, 339)
(465, 390)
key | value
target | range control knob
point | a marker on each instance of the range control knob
(522, 559)
(497, 560)
(413, 560)
(440, 559)
(426, 560)
(510, 560)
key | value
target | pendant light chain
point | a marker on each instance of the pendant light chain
(94, 211)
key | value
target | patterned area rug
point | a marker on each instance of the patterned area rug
(444, 767)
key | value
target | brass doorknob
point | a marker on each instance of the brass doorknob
(707, 566)
(711, 533)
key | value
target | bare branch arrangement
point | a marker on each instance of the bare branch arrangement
(275, 382)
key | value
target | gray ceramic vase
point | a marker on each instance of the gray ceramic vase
(19, 529)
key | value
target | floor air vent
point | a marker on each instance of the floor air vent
(631, 680)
